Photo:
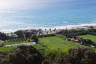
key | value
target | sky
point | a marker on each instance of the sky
(17, 14)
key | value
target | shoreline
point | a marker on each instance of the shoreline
(55, 27)
(71, 26)
(76, 26)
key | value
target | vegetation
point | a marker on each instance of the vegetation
(25, 55)
(56, 42)
(91, 37)
(30, 55)
(3, 36)
(22, 55)
(35, 38)
(63, 47)
(77, 32)
(8, 42)
(7, 49)
(74, 56)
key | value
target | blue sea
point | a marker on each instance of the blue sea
(42, 25)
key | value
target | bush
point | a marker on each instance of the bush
(54, 57)
(48, 35)
(4, 58)
(81, 56)
(30, 55)
(74, 56)
(25, 55)
(35, 38)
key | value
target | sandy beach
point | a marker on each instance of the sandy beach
(52, 28)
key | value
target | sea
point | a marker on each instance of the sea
(45, 25)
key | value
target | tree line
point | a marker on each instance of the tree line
(77, 32)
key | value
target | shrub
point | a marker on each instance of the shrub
(25, 55)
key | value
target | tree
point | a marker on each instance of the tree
(3, 36)
(25, 55)
(21, 34)
(35, 38)
(81, 56)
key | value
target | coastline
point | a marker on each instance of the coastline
(72, 26)
(54, 27)
(76, 26)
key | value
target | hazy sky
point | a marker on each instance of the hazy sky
(27, 12)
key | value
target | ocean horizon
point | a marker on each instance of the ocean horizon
(43, 26)
(39, 14)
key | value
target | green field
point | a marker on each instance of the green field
(13, 42)
(53, 43)
(57, 42)
(91, 37)
(7, 49)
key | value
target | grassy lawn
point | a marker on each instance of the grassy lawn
(52, 43)
(91, 37)
(59, 43)
(7, 49)
(13, 42)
